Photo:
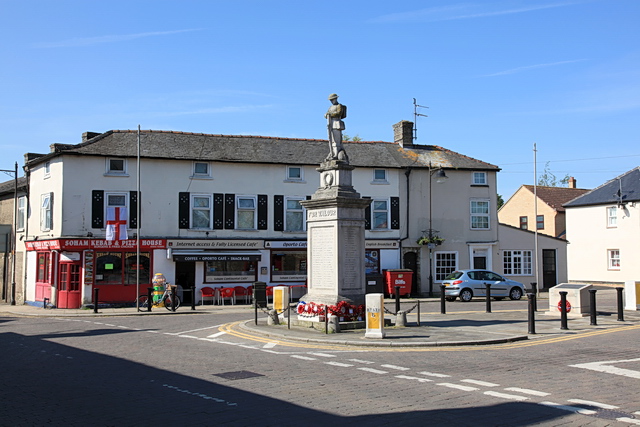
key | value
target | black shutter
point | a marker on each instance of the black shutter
(51, 210)
(395, 213)
(97, 209)
(367, 215)
(183, 209)
(229, 211)
(263, 211)
(278, 213)
(133, 209)
(218, 211)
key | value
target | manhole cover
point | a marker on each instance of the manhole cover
(238, 375)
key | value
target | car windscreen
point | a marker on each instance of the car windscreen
(454, 275)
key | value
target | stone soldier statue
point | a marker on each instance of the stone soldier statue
(335, 126)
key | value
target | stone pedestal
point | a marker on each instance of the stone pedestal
(335, 238)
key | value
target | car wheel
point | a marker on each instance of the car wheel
(450, 298)
(466, 295)
(515, 294)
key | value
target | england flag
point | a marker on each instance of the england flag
(116, 224)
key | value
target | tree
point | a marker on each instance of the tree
(346, 137)
(548, 178)
(500, 201)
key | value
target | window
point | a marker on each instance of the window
(116, 268)
(116, 166)
(288, 265)
(540, 222)
(201, 170)
(524, 223)
(116, 200)
(294, 216)
(45, 212)
(614, 259)
(47, 169)
(371, 261)
(230, 271)
(479, 178)
(517, 263)
(445, 264)
(612, 217)
(380, 213)
(246, 214)
(22, 212)
(201, 211)
(379, 175)
(479, 214)
(294, 173)
(43, 268)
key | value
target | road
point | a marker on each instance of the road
(202, 370)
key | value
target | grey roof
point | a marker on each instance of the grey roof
(259, 149)
(624, 188)
(9, 186)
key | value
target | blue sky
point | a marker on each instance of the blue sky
(497, 76)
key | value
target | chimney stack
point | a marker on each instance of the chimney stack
(572, 182)
(88, 135)
(403, 133)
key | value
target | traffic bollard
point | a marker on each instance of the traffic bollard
(488, 293)
(592, 306)
(326, 319)
(532, 310)
(620, 305)
(563, 310)
(418, 312)
(173, 298)
(96, 292)
(193, 298)
(255, 310)
(443, 307)
(534, 289)
(289, 317)
(397, 298)
(149, 299)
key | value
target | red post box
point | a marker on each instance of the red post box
(399, 277)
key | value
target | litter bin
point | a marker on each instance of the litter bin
(375, 283)
(399, 277)
(260, 294)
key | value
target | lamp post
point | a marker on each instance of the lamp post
(440, 178)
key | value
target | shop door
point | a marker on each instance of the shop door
(69, 286)
(411, 262)
(185, 278)
(549, 278)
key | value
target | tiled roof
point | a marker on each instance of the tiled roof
(261, 149)
(9, 186)
(555, 197)
(623, 188)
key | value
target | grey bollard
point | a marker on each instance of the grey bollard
(401, 318)
(334, 323)
(273, 318)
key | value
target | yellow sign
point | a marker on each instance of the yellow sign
(373, 320)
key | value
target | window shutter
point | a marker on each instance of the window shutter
(395, 213)
(229, 211)
(51, 210)
(278, 213)
(133, 209)
(97, 209)
(367, 215)
(218, 211)
(263, 211)
(183, 209)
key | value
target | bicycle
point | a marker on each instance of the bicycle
(165, 299)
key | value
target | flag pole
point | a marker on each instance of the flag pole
(535, 213)
(138, 225)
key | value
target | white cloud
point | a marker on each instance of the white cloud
(89, 41)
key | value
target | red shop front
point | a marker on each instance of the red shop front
(68, 270)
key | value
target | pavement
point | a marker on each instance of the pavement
(463, 324)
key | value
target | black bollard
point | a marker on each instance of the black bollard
(289, 317)
(326, 319)
(620, 305)
(563, 310)
(592, 306)
(488, 293)
(418, 312)
(255, 309)
(532, 310)
(173, 298)
(397, 298)
(534, 289)
(96, 292)
(149, 299)
(193, 297)
(443, 306)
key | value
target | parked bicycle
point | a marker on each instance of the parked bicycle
(158, 301)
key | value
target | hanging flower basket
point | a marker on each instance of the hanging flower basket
(436, 240)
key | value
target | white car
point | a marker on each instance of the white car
(465, 284)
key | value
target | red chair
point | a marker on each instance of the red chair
(227, 293)
(241, 291)
(208, 292)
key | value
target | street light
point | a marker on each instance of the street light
(440, 178)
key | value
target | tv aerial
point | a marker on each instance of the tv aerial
(415, 118)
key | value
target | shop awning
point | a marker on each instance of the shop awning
(187, 255)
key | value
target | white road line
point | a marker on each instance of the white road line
(458, 386)
(270, 345)
(374, 371)
(252, 347)
(124, 327)
(216, 335)
(629, 420)
(482, 383)
(407, 377)
(433, 374)
(366, 362)
(591, 403)
(297, 356)
(398, 368)
(342, 365)
(187, 336)
(636, 413)
(153, 332)
(527, 391)
(506, 396)
(322, 354)
(107, 324)
(569, 408)
(601, 367)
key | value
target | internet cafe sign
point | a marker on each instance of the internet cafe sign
(215, 244)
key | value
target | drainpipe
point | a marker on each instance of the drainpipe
(407, 173)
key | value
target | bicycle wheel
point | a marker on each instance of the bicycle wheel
(143, 302)
(167, 302)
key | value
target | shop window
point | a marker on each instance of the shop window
(288, 265)
(230, 271)
(112, 270)
(43, 267)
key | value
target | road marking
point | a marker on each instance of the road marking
(203, 396)
(217, 334)
(322, 354)
(433, 374)
(199, 329)
(361, 361)
(601, 367)
(506, 396)
(374, 371)
(591, 403)
(270, 345)
(297, 356)
(459, 387)
(398, 368)
(527, 391)
(569, 408)
(482, 383)
(342, 365)
(629, 420)
(407, 377)
(108, 324)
